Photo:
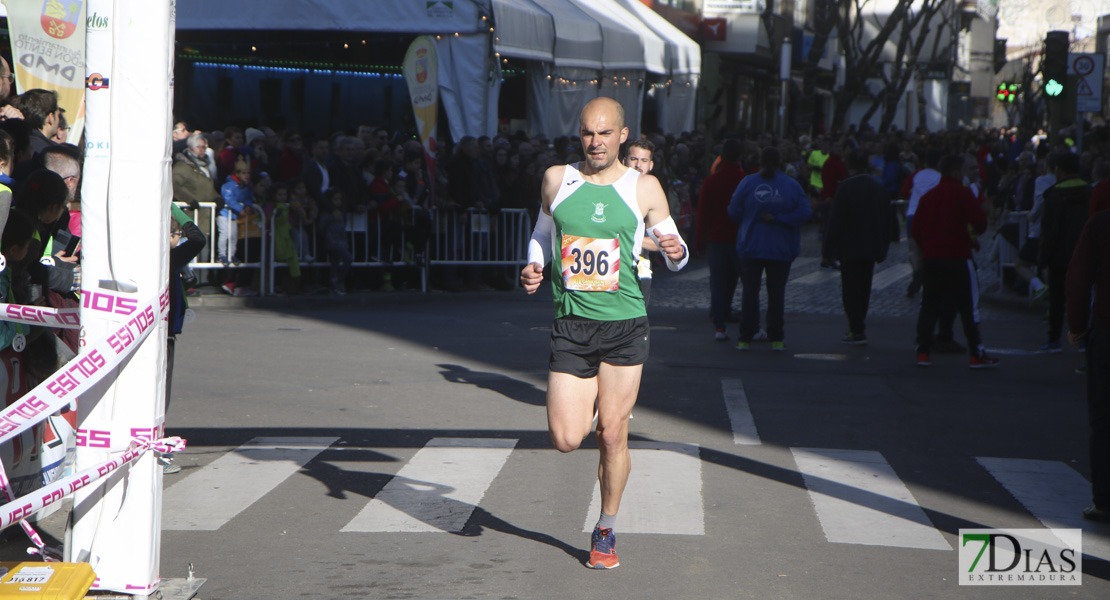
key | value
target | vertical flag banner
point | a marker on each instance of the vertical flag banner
(48, 52)
(421, 69)
(116, 525)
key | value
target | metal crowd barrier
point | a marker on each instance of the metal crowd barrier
(478, 237)
(254, 226)
(455, 237)
(368, 250)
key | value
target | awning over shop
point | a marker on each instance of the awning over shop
(523, 30)
(578, 38)
(623, 48)
(652, 45)
(683, 55)
(378, 16)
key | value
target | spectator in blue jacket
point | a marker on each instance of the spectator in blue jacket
(238, 196)
(771, 209)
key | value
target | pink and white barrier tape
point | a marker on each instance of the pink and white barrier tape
(63, 318)
(97, 359)
(21, 508)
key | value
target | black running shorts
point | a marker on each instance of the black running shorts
(579, 346)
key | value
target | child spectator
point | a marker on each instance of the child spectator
(333, 230)
(303, 212)
(284, 249)
(238, 196)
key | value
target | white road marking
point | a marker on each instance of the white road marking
(891, 275)
(739, 413)
(1054, 493)
(859, 499)
(438, 489)
(817, 277)
(663, 495)
(1011, 351)
(212, 496)
(821, 356)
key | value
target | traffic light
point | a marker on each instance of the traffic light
(1054, 63)
(1007, 92)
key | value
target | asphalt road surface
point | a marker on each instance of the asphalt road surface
(395, 446)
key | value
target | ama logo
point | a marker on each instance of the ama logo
(59, 20)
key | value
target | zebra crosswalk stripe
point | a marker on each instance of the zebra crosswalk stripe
(438, 489)
(212, 496)
(859, 499)
(664, 491)
(744, 432)
(1054, 493)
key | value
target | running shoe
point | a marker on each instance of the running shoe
(854, 339)
(603, 550)
(1050, 348)
(923, 359)
(1096, 513)
(720, 336)
(1039, 296)
(982, 362)
(778, 346)
(743, 346)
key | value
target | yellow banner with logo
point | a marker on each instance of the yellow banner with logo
(48, 52)
(421, 69)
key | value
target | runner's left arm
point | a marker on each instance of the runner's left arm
(660, 226)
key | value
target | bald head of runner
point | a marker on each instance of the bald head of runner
(602, 132)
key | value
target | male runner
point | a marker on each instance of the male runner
(595, 214)
(640, 159)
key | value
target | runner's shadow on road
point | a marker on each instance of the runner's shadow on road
(426, 503)
(514, 389)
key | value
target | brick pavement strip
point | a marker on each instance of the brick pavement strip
(817, 294)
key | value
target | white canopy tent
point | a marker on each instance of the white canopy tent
(524, 30)
(575, 49)
(683, 60)
(469, 75)
(602, 46)
(560, 90)
(626, 85)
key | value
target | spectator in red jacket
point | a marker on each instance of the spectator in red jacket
(832, 173)
(716, 233)
(942, 226)
(1100, 194)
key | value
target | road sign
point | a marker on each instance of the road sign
(1089, 72)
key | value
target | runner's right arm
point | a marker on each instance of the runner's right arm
(539, 247)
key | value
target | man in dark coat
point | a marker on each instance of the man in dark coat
(1066, 207)
(858, 234)
(1089, 278)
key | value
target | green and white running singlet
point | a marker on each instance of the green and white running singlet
(597, 237)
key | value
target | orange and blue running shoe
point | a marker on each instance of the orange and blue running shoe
(603, 550)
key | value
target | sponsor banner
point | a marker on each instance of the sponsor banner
(57, 318)
(421, 70)
(48, 52)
